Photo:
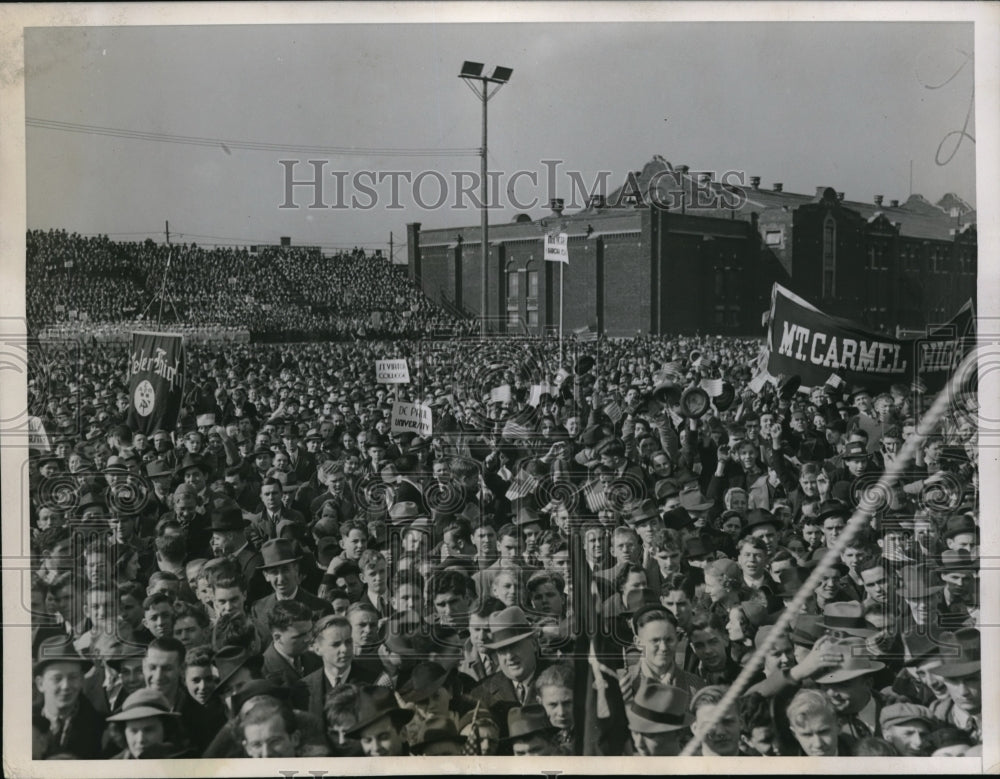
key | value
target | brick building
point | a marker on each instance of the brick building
(674, 251)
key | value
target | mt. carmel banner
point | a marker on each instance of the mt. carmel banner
(156, 381)
(804, 341)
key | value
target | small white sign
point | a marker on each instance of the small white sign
(392, 372)
(411, 418)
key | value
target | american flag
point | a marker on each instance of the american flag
(595, 495)
(584, 334)
(523, 485)
(614, 411)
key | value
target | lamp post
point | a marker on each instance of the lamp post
(471, 72)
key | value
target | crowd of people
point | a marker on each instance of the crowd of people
(277, 293)
(578, 559)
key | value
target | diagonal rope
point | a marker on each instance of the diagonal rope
(858, 521)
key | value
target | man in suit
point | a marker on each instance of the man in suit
(333, 644)
(74, 724)
(288, 657)
(515, 642)
(264, 526)
(229, 539)
(281, 569)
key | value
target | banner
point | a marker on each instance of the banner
(411, 418)
(156, 381)
(392, 372)
(38, 438)
(557, 247)
(804, 341)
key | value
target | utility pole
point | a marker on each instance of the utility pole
(392, 259)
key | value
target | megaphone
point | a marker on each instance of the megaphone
(726, 398)
(667, 393)
(694, 356)
(695, 402)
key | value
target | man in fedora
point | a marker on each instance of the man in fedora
(147, 724)
(281, 570)
(849, 688)
(961, 673)
(74, 723)
(959, 599)
(515, 642)
(229, 539)
(962, 532)
(657, 717)
(380, 723)
(920, 589)
(530, 734)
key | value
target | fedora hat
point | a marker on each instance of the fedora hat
(527, 514)
(644, 511)
(666, 488)
(59, 649)
(918, 581)
(659, 708)
(699, 546)
(677, 519)
(846, 617)
(957, 560)
(425, 680)
(919, 647)
(854, 662)
(258, 687)
(525, 720)
(156, 468)
(403, 511)
(231, 659)
(759, 518)
(89, 500)
(508, 627)
(375, 703)
(583, 365)
(229, 518)
(968, 659)
(958, 525)
(192, 461)
(123, 652)
(806, 630)
(143, 703)
(279, 551)
(692, 498)
(833, 508)
(438, 730)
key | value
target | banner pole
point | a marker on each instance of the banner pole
(560, 315)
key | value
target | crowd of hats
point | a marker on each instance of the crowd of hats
(634, 493)
(274, 292)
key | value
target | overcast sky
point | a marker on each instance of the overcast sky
(832, 104)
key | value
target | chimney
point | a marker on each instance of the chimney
(894, 203)
(683, 169)
(778, 186)
(597, 201)
(840, 196)
(878, 200)
(556, 204)
(755, 182)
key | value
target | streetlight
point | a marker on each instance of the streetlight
(473, 71)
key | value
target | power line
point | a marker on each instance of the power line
(226, 143)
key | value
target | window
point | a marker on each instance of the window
(720, 283)
(829, 258)
(532, 285)
(513, 320)
(532, 317)
(512, 285)
(719, 316)
(734, 316)
(773, 237)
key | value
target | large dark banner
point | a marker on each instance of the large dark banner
(804, 341)
(156, 381)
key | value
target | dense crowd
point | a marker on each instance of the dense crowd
(573, 562)
(277, 293)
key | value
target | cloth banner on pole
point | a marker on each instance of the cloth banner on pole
(557, 247)
(156, 381)
(392, 372)
(804, 341)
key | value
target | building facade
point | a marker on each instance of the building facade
(673, 251)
